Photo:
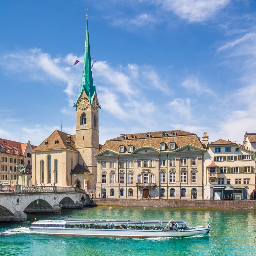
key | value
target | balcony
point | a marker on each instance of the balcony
(146, 185)
(213, 175)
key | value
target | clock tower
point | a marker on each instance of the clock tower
(87, 125)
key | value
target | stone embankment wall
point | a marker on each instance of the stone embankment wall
(207, 204)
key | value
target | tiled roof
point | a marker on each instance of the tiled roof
(141, 140)
(212, 165)
(57, 140)
(222, 142)
(251, 137)
(79, 169)
(13, 147)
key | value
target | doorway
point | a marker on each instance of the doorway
(145, 193)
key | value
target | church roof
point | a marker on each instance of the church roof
(57, 140)
(153, 139)
(79, 169)
(87, 80)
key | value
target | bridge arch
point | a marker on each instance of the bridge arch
(5, 212)
(38, 205)
(67, 202)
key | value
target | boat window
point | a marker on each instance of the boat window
(137, 226)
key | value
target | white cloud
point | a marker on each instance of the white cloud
(181, 108)
(194, 86)
(193, 10)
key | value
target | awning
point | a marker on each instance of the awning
(229, 188)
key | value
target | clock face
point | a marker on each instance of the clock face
(83, 103)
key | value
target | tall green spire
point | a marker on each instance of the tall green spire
(87, 80)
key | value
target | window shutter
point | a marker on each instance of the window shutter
(242, 170)
(252, 157)
(215, 158)
(224, 158)
(239, 157)
(228, 158)
(252, 169)
(229, 170)
(235, 158)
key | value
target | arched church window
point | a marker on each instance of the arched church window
(83, 119)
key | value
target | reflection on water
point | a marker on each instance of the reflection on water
(233, 233)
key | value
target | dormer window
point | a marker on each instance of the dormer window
(162, 146)
(125, 137)
(46, 143)
(148, 135)
(133, 136)
(121, 149)
(164, 134)
(56, 142)
(130, 148)
(174, 133)
(172, 145)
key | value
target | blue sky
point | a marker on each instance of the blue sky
(161, 65)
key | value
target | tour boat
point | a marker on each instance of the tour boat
(117, 228)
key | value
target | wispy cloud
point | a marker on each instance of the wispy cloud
(180, 109)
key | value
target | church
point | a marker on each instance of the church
(69, 160)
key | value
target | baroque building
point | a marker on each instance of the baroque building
(68, 160)
(13, 155)
(167, 165)
(230, 171)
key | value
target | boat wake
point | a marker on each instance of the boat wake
(20, 230)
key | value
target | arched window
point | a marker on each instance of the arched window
(121, 192)
(130, 192)
(56, 170)
(94, 121)
(183, 192)
(162, 192)
(172, 192)
(112, 193)
(104, 193)
(83, 119)
(49, 168)
(42, 171)
(194, 193)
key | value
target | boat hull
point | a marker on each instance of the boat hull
(120, 233)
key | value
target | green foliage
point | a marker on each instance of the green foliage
(23, 169)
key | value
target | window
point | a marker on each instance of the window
(230, 158)
(133, 136)
(228, 181)
(152, 163)
(218, 159)
(130, 164)
(183, 161)
(121, 175)
(217, 150)
(164, 134)
(145, 163)
(83, 119)
(153, 178)
(193, 176)
(172, 192)
(11, 168)
(112, 193)
(237, 149)
(212, 169)
(183, 192)
(130, 192)
(121, 164)
(103, 178)
(49, 169)
(42, 171)
(11, 160)
(146, 178)
(228, 149)
(246, 181)
(56, 142)
(112, 178)
(112, 165)
(121, 192)
(56, 170)
(162, 192)
(172, 145)
(121, 149)
(130, 178)
(183, 177)
(220, 181)
(139, 163)
(162, 146)
(172, 177)
(174, 133)
(148, 135)
(194, 193)
(103, 164)
(238, 181)
(223, 169)
(246, 157)
(172, 162)
(193, 161)
(163, 163)
(130, 148)
(139, 179)
(28, 155)
(247, 169)
(162, 177)
(14, 160)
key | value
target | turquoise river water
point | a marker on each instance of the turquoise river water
(233, 233)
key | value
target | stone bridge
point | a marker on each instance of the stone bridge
(16, 201)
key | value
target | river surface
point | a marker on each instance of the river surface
(233, 233)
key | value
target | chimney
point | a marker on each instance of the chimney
(205, 139)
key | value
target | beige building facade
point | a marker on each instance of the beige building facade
(230, 171)
(167, 165)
